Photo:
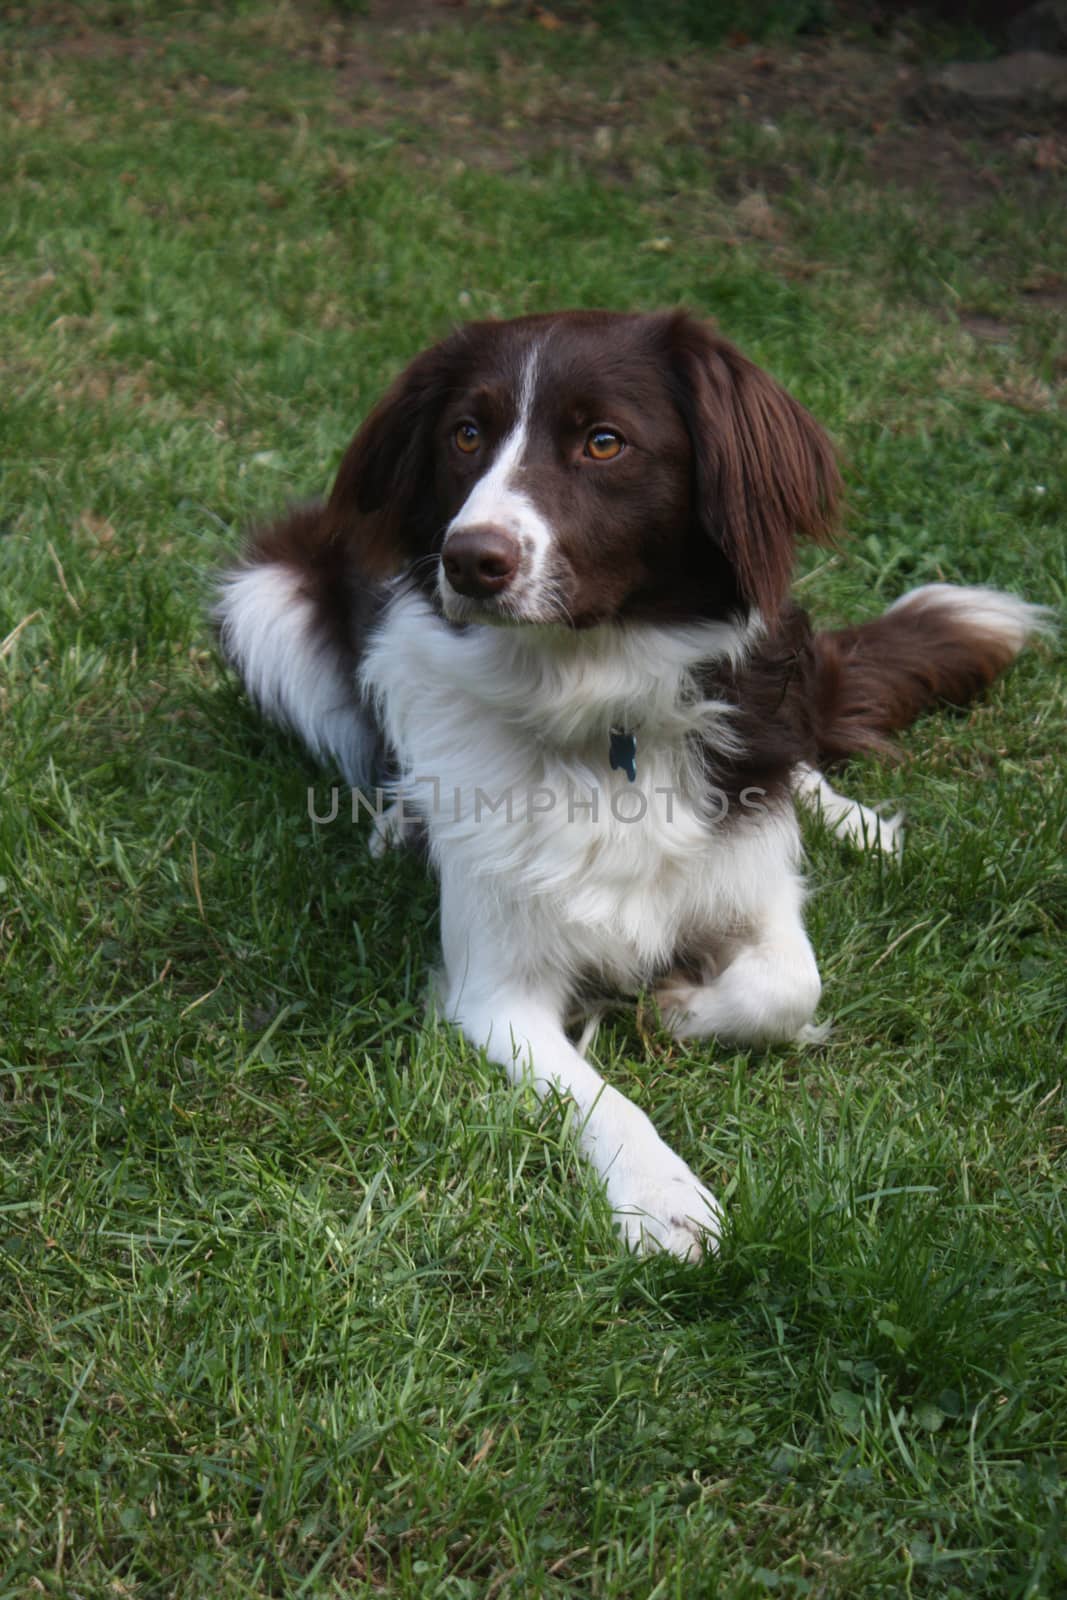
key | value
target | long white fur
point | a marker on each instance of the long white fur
(1000, 616)
(267, 630)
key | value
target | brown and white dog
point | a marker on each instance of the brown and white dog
(550, 591)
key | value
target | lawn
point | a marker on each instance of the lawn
(297, 1297)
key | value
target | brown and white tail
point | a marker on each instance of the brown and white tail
(941, 644)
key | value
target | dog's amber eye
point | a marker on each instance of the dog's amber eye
(603, 444)
(467, 438)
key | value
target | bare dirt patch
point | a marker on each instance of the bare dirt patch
(861, 94)
(522, 107)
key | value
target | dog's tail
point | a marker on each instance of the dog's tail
(292, 619)
(938, 644)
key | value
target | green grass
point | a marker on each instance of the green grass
(296, 1296)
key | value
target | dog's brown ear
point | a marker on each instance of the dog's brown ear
(383, 502)
(766, 473)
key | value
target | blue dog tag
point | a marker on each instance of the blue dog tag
(623, 753)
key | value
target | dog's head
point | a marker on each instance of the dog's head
(583, 467)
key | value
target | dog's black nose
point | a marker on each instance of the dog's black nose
(480, 561)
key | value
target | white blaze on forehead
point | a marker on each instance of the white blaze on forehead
(496, 500)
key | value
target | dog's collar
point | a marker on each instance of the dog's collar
(622, 753)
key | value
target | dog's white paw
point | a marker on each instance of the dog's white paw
(865, 827)
(686, 1012)
(677, 1002)
(664, 1206)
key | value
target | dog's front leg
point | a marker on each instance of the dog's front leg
(765, 992)
(657, 1202)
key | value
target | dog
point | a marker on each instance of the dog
(549, 597)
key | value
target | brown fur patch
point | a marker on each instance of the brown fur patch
(766, 471)
(875, 678)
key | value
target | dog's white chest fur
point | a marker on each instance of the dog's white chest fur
(510, 767)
